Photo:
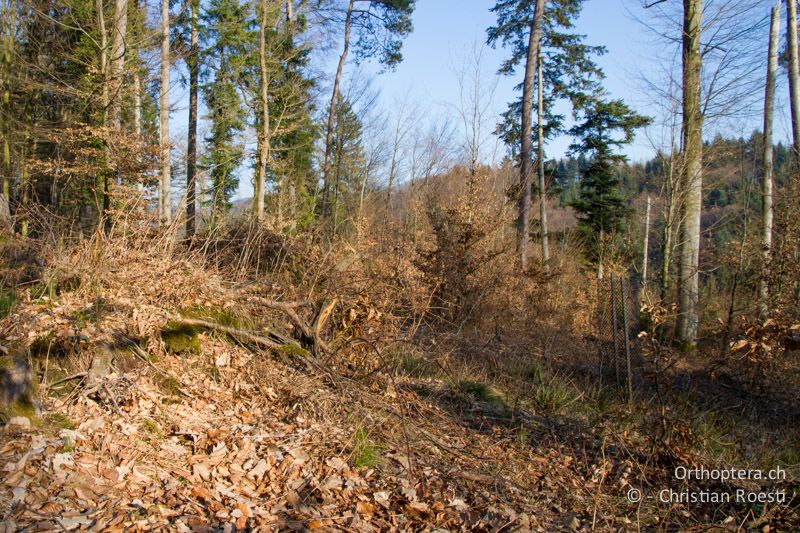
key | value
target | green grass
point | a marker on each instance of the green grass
(414, 365)
(550, 393)
(483, 392)
(7, 299)
(366, 452)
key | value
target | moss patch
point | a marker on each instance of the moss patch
(218, 315)
(58, 421)
(291, 351)
(168, 385)
(180, 339)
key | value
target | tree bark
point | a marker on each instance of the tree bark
(137, 100)
(689, 288)
(646, 244)
(794, 75)
(103, 175)
(526, 150)
(540, 157)
(118, 49)
(191, 147)
(326, 169)
(166, 182)
(766, 185)
(9, 23)
(264, 140)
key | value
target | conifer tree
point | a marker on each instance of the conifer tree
(567, 71)
(602, 207)
(228, 54)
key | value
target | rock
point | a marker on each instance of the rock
(21, 421)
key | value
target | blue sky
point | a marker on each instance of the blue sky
(446, 31)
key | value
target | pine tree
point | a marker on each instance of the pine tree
(537, 28)
(602, 207)
(228, 54)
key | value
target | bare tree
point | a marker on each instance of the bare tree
(766, 185)
(164, 201)
(264, 139)
(474, 111)
(794, 74)
(326, 168)
(692, 178)
(540, 164)
(118, 46)
(193, 64)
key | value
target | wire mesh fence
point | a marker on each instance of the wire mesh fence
(619, 350)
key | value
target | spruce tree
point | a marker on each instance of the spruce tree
(601, 206)
(228, 54)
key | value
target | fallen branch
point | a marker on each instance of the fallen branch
(312, 334)
(248, 336)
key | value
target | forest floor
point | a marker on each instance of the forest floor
(210, 431)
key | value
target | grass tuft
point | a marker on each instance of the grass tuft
(366, 453)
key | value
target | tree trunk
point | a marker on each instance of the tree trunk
(264, 141)
(689, 289)
(794, 75)
(646, 244)
(101, 26)
(326, 169)
(9, 23)
(164, 203)
(191, 147)
(118, 46)
(766, 185)
(137, 100)
(542, 183)
(526, 150)
(103, 174)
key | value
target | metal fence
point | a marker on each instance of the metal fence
(619, 350)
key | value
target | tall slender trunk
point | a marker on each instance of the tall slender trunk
(118, 46)
(526, 150)
(766, 185)
(137, 99)
(540, 157)
(264, 140)
(689, 289)
(9, 23)
(288, 204)
(646, 243)
(164, 201)
(191, 147)
(101, 26)
(326, 169)
(794, 75)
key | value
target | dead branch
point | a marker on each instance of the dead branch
(248, 336)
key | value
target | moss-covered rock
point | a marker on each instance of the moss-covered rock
(180, 339)
(18, 390)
